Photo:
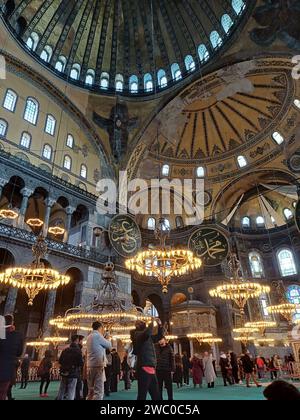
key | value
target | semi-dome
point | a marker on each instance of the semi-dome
(136, 46)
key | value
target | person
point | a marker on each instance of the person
(80, 382)
(186, 368)
(108, 373)
(178, 375)
(71, 363)
(261, 367)
(96, 361)
(165, 367)
(44, 373)
(234, 366)
(225, 368)
(197, 370)
(281, 391)
(143, 342)
(25, 364)
(125, 372)
(209, 371)
(11, 348)
(248, 367)
(115, 370)
(273, 367)
(277, 365)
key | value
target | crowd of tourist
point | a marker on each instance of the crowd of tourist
(96, 371)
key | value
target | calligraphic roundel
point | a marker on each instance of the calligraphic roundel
(124, 235)
(209, 244)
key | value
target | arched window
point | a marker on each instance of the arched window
(264, 303)
(165, 171)
(288, 214)
(246, 222)
(278, 137)
(119, 83)
(260, 221)
(32, 41)
(256, 266)
(25, 140)
(162, 78)
(31, 112)
(148, 82)
(273, 220)
(176, 72)
(151, 223)
(104, 80)
(83, 171)
(75, 72)
(189, 63)
(133, 84)
(46, 54)
(215, 39)
(165, 224)
(179, 222)
(226, 22)
(10, 100)
(203, 53)
(3, 128)
(67, 162)
(297, 103)
(294, 204)
(200, 172)
(242, 162)
(61, 64)
(70, 141)
(47, 152)
(293, 296)
(90, 77)
(286, 263)
(50, 125)
(238, 6)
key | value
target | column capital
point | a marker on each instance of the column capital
(3, 182)
(70, 210)
(26, 192)
(50, 202)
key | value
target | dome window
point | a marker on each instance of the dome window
(31, 112)
(215, 39)
(176, 72)
(75, 72)
(50, 125)
(297, 103)
(238, 6)
(61, 64)
(90, 77)
(151, 223)
(189, 63)
(227, 23)
(46, 53)
(260, 221)
(162, 78)
(67, 163)
(165, 171)
(286, 262)
(148, 83)
(32, 41)
(104, 80)
(288, 214)
(203, 53)
(133, 84)
(3, 128)
(246, 222)
(119, 83)
(242, 161)
(277, 137)
(200, 172)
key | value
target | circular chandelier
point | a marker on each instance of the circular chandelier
(8, 214)
(35, 278)
(56, 230)
(37, 344)
(245, 334)
(125, 338)
(35, 223)
(56, 340)
(199, 336)
(213, 340)
(170, 337)
(244, 339)
(269, 341)
(238, 290)
(287, 310)
(261, 325)
(163, 262)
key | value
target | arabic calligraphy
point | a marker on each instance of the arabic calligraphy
(125, 235)
(210, 245)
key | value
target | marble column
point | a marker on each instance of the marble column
(3, 182)
(11, 300)
(49, 311)
(191, 348)
(49, 204)
(26, 192)
(69, 211)
(175, 347)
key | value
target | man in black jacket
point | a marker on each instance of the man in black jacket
(186, 368)
(143, 347)
(165, 367)
(11, 349)
(71, 363)
(115, 370)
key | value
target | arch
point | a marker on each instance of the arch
(67, 163)
(25, 140)
(133, 84)
(260, 221)
(136, 298)
(90, 77)
(156, 301)
(3, 127)
(45, 168)
(75, 71)
(148, 82)
(32, 41)
(46, 54)
(238, 6)
(50, 125)
(104, 80)
(22, 156)
(162, 78)
(226, 22)
(63, 201)
(31, 111)
(119, 83)
(47, 152)
(81, 214)
(61, 63)
(70, 141)
(151, 223)
(21, 26)
(165, 170)
(203, 53)
(176, 72)
(215, 39)
(286, 262)
(189, 62)
(246, 222)
(10, 100)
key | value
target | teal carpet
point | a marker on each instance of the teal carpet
(235, 392)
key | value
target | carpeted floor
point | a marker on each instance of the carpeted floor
(235, 392)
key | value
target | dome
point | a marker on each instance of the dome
(132, 47)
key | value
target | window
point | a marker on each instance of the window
(133, 84)
(256, 265)
(162, 78)
(297, 103)
(226, 22)
(264, 306)
(70, 141)
(47, 152)
(293, 296)
(61, 63)
(179, 222)
(278, 137)
(3, 128)
(29, 43)
(31, 110)
(286, 263)
(83, 171)
(90, 77)
(46, 54)
(148, 82)
(165, 171)
(32, 41)
(10, 100)
(242, 162)
(189, 63)
(215, 39)
(203, 53)
(294, 204)
(25, 140)
(119, 83)
(238, 6)
(165, 224)
(260, 221)
(288, 214)
(246, 222)
(104, 80)
(273, 220)
(200, 172)
(151, 223)
(67, 162)
(75, 72)
(50, 125)
(176, 72)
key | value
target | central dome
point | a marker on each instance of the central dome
(132, 46)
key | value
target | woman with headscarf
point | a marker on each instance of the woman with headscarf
(209, 371)
(197, 370)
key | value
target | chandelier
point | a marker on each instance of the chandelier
(269, 341)
(284, 308)
(37, 344)
(238, 290)
(163, 262)
(261, 325)
(56, 340)
(36, 277)
(8, 214)
(212, 340)
(245, 334)
(199, 336)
